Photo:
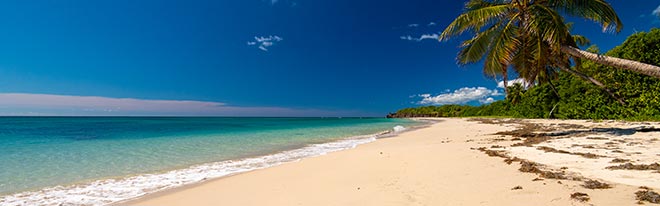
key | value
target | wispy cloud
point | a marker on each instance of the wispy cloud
(272, 2)
(460, 96)
(656, 11)
(420, 38)
(263, 42)
(418, 25)
(59, 105)
(290, 3)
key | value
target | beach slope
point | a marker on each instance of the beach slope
(437, 165)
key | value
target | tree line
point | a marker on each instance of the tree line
(619, 94)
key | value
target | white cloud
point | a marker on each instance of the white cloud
(656, 11)
(409, 38)
(420, 38)
(413, 25)
(460, 96)
(521, 81)
(58, 105)
(431, 24)
(263, 42)
(487, 100)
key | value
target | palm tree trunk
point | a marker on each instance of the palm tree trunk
(552, 86)
(639, 67)
(594, 81)
(506, 82)
(552, 110)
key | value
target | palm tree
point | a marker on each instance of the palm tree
(515, 93)
(532, 37)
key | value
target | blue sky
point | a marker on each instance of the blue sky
(247, 57)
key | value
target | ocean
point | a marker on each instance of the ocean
(101, 160)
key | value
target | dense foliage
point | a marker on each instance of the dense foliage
(531, 38)
(578, 99)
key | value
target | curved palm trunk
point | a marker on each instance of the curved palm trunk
(639, 67)
(594, 81)
(505, 80)
(506, 84)
(552, 86)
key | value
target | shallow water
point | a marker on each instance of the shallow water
(98, 160)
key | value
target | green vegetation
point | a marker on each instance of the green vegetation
(533, 39)
(576, 98)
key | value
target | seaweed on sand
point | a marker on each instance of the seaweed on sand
(531, 167)
(588, 155)
(630, 166)
(498, 153)
(529, 141)
(511, 160)
(553, 175)
(595, 184)
(553, 150)
(619, 160)
(526, 130)
(647, 195)
(582, 197)
(585, 155)
(588, 147)
(494, 153)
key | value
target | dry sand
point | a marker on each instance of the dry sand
(439, 165)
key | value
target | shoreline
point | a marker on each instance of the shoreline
(436, 165)
(185, 176)
(377, 136)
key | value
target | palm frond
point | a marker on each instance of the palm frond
(581, 40)
(547, 24)
(598, 11)
(474, 20)
(503, 48)
(476, 48)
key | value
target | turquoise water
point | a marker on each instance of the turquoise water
(43, 152)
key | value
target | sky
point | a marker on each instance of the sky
(247, 57)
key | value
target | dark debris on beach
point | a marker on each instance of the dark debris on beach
(631, 166)
(531, 167)
(582, 197)
(619, 160)
(595, 184)
(646, 194)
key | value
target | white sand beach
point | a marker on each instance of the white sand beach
(442, 165)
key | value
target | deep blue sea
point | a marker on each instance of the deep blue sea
(100, 160)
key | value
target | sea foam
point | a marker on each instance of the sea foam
(107, 191)
(399, 128)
